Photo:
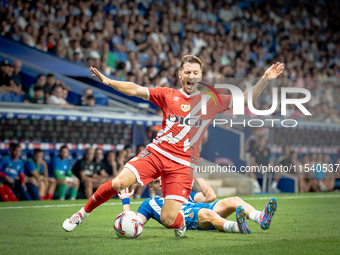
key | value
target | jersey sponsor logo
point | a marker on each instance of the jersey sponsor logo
(191, 215)
(185, 121)
(175, 98)
(11, 170)
(185, 107)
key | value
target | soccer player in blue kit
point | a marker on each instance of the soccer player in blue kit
(201, 213)
(12, 177)
(59, 168)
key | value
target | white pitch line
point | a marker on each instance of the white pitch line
(51, 206)
(138, 203)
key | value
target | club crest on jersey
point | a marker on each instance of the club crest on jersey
(185, 107)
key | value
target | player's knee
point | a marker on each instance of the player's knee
(76, 183)
(118, 184)
(235, 201)
(206, 215)
(52, 180)
(167, 220)
(62, 181)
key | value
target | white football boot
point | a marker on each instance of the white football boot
(71, 223)
(179, 232)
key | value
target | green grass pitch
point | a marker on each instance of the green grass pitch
(303, 224)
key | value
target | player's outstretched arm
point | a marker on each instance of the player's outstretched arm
(272, 73)
(207, 195)
(125, 194)
(127, 88)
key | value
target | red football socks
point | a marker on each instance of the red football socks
(7, 194)
(178, 222)
(103, 194)
(48, 197)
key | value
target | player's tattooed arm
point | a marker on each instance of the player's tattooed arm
(127, 88)
(272, 73)
(207, 195)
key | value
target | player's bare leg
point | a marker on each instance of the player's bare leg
(52, 184)
(90, 185)
(227, 206)
(171, 216)
(207, 218)
(105, 192)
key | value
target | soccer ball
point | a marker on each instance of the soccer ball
(128, 225)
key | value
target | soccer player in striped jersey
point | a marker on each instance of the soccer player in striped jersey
(201, 213)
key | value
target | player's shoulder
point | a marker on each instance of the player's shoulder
(146, 202)
(5, 159)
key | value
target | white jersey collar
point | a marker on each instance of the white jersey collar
(185, 94)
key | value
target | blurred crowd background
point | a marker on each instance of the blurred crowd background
(143, 41)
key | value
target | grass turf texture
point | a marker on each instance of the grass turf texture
(303, 224)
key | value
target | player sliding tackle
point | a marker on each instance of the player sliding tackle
(199, 214)
(176, 146)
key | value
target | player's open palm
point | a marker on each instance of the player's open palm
(274, 71)
(125, 193)
(99, 75)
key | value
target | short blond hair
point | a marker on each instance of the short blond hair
(191, 59)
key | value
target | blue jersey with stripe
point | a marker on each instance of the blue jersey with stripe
(11, 167)
(152, 207)
(63, 166)
(31, 166)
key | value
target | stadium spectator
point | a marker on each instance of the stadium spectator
(85, 170)
(90, 100)
(57, 96)
(38, 94)
(100, 166)
(121, 157)
(41, 81)
(39, 185)
(110, 163)
(328, 182)
(65, 93)
(59, 168)
(86, 92)
(261, 155)
(16, 80)
(4, 77)
(51, 82)
(12, 177)
(306, 181)
(128, 154)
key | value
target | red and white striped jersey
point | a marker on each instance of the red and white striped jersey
(183, 124)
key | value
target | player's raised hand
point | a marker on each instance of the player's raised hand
(274, 71)
(99, 75)
(125, 193)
